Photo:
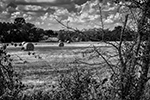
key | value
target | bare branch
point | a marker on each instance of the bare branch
(104, 59)
(121, 41)
(68, 27)
(112, 44)
(101, 20)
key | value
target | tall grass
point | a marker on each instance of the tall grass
(10, 84)
(76, 84)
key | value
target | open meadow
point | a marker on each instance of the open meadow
(40, 68)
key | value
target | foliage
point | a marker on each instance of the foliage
(10, 84)
(95, 35)
(20, 31)
(130, 72)
(80, 84)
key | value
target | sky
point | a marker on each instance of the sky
(80, 14)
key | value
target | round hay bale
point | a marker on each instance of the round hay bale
(28, 47)
(61, 44)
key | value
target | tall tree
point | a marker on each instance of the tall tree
(133, 67)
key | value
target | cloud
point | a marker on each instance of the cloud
(2, 6)
(5, 15)
(16, 14)
(70, 5)
(80, 2)
(44, 17)
(79, 13)
(117, 16)
(10, 10)
(32, 7)
(112, 17)
(108, 21)
(87, 13)
(109, 8)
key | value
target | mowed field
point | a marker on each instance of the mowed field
(41, 67)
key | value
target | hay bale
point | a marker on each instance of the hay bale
(61, 44)
(28, 47)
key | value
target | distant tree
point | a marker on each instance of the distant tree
(50, 33)
(19, 21)
(115, 34)
(61, 35)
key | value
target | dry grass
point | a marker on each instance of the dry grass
(41, 69)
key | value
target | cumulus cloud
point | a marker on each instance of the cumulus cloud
(45, 16)
(87, 13)
(5, 15)
(112, 18)
(18, 14)
(79, 13)
(80, 2)
(109, 8)
(108, 21)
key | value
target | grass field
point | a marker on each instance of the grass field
(42, 67)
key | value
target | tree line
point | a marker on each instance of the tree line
(96, 34)
(20, 31)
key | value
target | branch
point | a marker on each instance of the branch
(101, 20)
(104, 59)
(112, 44)
(90, 64)
(68, 27)
(121, 41)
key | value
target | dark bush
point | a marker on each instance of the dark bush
(10, 84)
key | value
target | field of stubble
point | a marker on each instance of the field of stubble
(41, 68)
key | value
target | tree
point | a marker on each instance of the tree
(19, 21)
(131, 75)
(132, 58)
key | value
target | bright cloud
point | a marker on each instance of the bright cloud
(80, 14)
(108, 21)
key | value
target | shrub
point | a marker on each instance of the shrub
(10, 85)
(78, 85)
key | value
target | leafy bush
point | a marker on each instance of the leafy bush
(10, 84)
(76, 85)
